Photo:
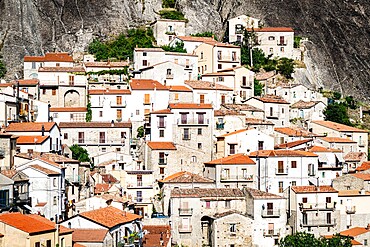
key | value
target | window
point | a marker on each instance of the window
(176, 96)
(223, 99)
(365, 242)
(161, 158)
(145, 62)
(37, 244)
(225, 173)
(65, 135)
(161, 170)
(219, 66)
(271, 228)
(199, 131)
(282, 49)
(281, 189)
(200, 118)
(305, 219)
(328, 199)
(282, 110)
(201, 55)
(271, 38)
(328, 218)
(44, 91)
(187, 61)
(233, 56)
(33, 65)
(186, 135)
(199, 145)
(137, 112)
(227, 204)
(232, 227)
(220, 78)
(144, 54)
(293, 164)
(244, 81)
(271, 50)
(119, 100)
(193, 159)
(139, 196)
(4, 198)
(280, 167)
(304, 200)
(147, 99)
(81, 137)
(294, 183)
(71, 80)
(169, 72)
(205, 67)
(260, 145)
(201, 98)
(161, 133)
(101, 137)
(184, 118)
(53, 92)
(232, 148)
(161, 123)
(176, 61)
(119, 114)
(100, 113)
(282, 42)
(55, 200)
(208, 204)
(219, 55)
(123, 137)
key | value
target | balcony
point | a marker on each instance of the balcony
(220, 126)
(281, 171)
(318, 223)
(270, 213)
(22, 198)
(169, 76)
(185, 229)
(185, 211)
(273, 115)
(139, 185)
(193, 121)
(249, 85)
(186, 137)
(73, 178)
(161, 124)
(245, 178)
(351, 209)
(233, 59)
(271, 233)
(361, 143)
(317, 206)
(279, 43)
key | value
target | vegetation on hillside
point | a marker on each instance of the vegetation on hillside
(303, 239)
(205, 34)
(168, 3)
(79, 153)
(297, 41)
(2, 69)
(122, 47)
(258, 88)
(172, 14)
(178, 47)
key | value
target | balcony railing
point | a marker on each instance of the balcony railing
(361, 143)
(351, 209)
(318, 223)
(186, 137)
(193, 121)
(161, 124)
(270, 213)
(220, 126)
(22, 198)
(73, 178)
(185, 211)
(279, 43)
(139, 184)
(248, 85)
(281, 171)
(228, 58)
(273, 115)
(185, 229)
(271, 233)
(170, 76)
(237, 178)
(329, 206)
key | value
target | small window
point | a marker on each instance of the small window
(294, 164)
(199, 131)
(144, 54)
(199, 145)
(219, 66)
(104, 150)
(208, 204)
(57, 64)
(271, 50)
(201, 55)
(232, 227)
(54, 92)
(161, 133)
(55, 200)
(161, 170)
(145, 62)
(44, 91)
(137, 112)
(282, 49)
(304, 199)
(271, 38)
(54, 182)
(227, 204)
(65, 136)
(294, 183)
(37, 244)
(100, 113)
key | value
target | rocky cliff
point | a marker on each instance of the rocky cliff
(338, 30)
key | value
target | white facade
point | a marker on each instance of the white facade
(310, 111)
(296, 92)
(238, 25)
(164, 30)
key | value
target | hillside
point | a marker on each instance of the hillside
(339, 31)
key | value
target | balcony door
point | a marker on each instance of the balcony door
(280, 166)
(270, 207)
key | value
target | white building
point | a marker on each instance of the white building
(307, 111)
(296, 92)
(165, 30)
(191, 42)
(68, 114)
(237, 26)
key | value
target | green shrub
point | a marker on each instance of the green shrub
(179, 47)
(2, 69)
(172, 15)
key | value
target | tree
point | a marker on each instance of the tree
(336, 241)
(140, 132)
(258, 87)
(172, 15)
(303, 239)
(2, 69)
(337, 95)
(79, 153)
(178, 47)
(351, 102)
(205, 34)
(88, 117)
(285, 66)
(337, 112)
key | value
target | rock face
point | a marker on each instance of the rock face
(339, 31)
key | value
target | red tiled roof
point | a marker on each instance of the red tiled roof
(314, 189)
(355, 156)
(50, 57)
(24, 140)
(146, 84)
(241, 107)
(292, 144)
(339, 127)
(206, 85)
(106, 64)
(236, 159)
(109, 91)
(189, 106)
(106, 163)
(226, 112)
(89, 235)
(256, 121)
(27, 82)
(208, 193)
(265, 75)
(8, 173)
(259, 194)
(30, 126)
(364, 166)
(353, 232)
(6, 84)
(304, 105)
(271, 99)
(68, 109)
(95, 125)
(196, 39)
(25, 223)
(161, 145)
(185, 177)
(363, 176)
(318, 149)
(102, 188)
(163, 111)
(353, 193)
(62, 229)
(50, 158)
(109, 179)
(44, 170)
(110, 216)
(78, 245)
(61, 69)
(156, 233)
(41, 204)
(337, 140)
(271, 29)
(179, 89)
(297, 132)
(282, 153)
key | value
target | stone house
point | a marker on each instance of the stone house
(356, 181)
(68, 114)
(165, 30)
(227, 121)
(332, 129)
(8, 148)
(313, 209)
(296, 92)
(365, 165)
(114, 81)
(307, 111)
(266, 127)
(344, 144)
(237, 26)
(277, 170)
(285, 135)
(190, 210)
(234, 171)
(246, 109)
(30, 86)
(276, 109)
(268, 212)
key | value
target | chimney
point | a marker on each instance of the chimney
(362, 191)
(368, 227)
(43, 130)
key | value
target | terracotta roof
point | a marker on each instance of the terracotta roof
(319, 149)
(6, 84)
(352, 193)
(25, 223)
(163, 111)
(30, 126)
(226, 112)
(241, 107)
(102, 188)
(146, 84)
(189, 106)
(106, 163)
(282, 153)
(271, 99)
(292, 144)
(207, 193)
(109, 179)
(68, 109)
(296, 132)
(41, 204)
(236, 159)
(259, 194)
(161, 145)
(220, 44)
(196, 39)
(78, 245)
(24, 140)
(364, 166)
(206, 85)
(89, 235)
(185, 177)
(265, 75)
(113, 197)
(218, 74)
(150, 49)
(109, 91)
(363, 176)
(234, 132)
(50, 158)
(353, 242)
(355, 156)
(95, 125)
(50, 57)
(256, 121)
(110, 216)
(62, 69)
(27, 82)
(45, 170)
(62, 229)
(8, 173)
(355, 231)
(179, 88)
(304, 105)
(106, 64)
(337, 140)
(339, 127)
(156, 233)
(271, 29)
(314, 189)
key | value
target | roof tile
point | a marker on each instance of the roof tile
(208, 193)
(314, 189)
(189, 106)
(24, 140)
(109, 91)
(282, 153)
(206, 85)
(161, 145)
(26, 223)
(95, 125)
(186, 177)
(146, 84)
(30, 126)
(89, 235)
(339, 127)
(236, 159)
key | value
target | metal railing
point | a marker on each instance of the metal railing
(185, 211)
(193, 121)
(318, 222)
(317, 206)
(238, 178)
(281, 171)
(271, 233)
(351, 209)
(183, 228)
(220, 126)
(270, 213)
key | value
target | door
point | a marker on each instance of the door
(280, 166)
(270, 207)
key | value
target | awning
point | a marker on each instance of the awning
(323, 158)
(339, 157)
